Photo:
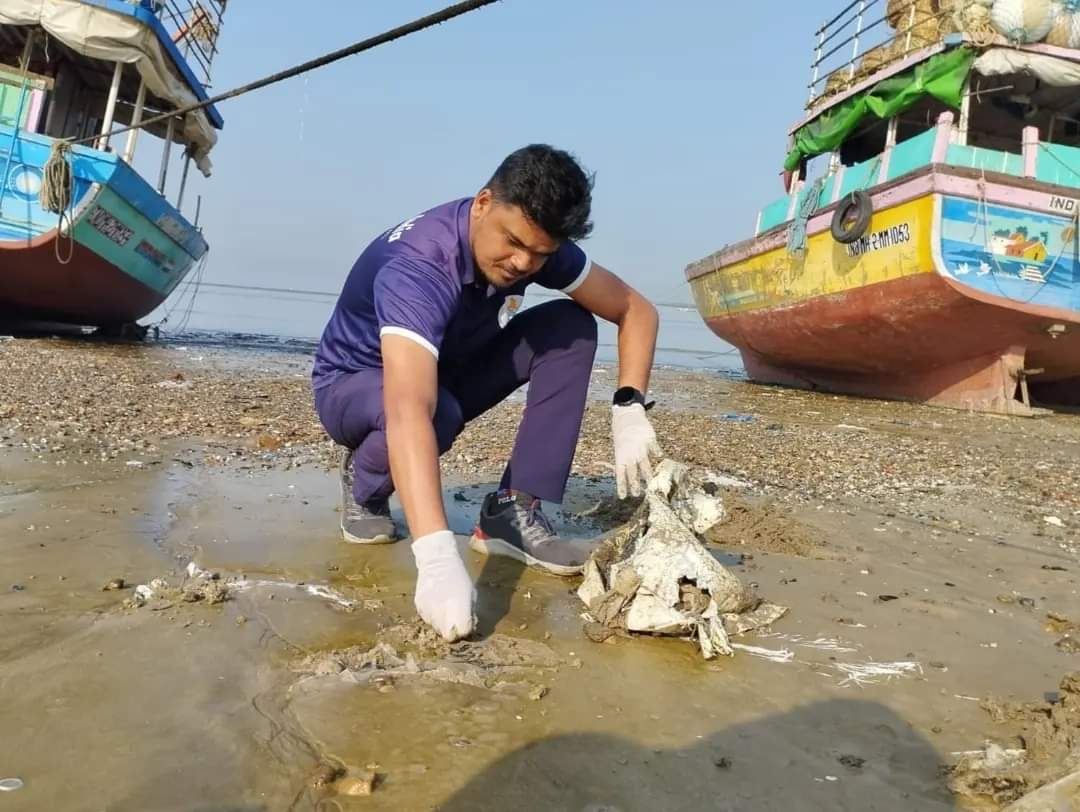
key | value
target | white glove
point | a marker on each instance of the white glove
(445, 597)
(634, 441)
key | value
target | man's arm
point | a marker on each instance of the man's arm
(410, 394)
(445, 596)
(413, 301)
(607, 296)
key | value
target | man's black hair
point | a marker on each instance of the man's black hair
(550, 187)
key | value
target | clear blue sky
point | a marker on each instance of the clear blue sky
(681, 108)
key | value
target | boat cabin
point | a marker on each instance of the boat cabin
(900, 86)
(85, 239)
(81, 74)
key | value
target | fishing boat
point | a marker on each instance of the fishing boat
(74, 71)
(926, 245)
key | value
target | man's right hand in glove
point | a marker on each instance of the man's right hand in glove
(445, 596)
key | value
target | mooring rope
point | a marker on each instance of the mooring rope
(448, 13)
(56, 186)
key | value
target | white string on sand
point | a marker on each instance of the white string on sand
(244, 584)
(819, 643)
(870, 673)
(775, 655)
(312, 589)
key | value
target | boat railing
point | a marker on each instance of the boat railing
(867, 35)
(1039, 160)
(194, 26)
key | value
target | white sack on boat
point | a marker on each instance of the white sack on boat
(1023, 20)
(98, 33)
(654, 575)
(1049, 69)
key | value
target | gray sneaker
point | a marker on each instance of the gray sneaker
(369, 523)
(516, 527)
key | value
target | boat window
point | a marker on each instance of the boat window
(1002, 106)
(72, 106)
(999, 109)
(867, 142)
(919, 118)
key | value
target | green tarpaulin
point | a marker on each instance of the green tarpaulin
(941, 76)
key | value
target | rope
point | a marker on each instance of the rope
(431, 20)
(186, 318)
(190, 285)
(64, 260)
(984, 211)
(1072, 169)
(973, 19)
(56, 195)
(56, 181)
(982, 34)
(796, 236)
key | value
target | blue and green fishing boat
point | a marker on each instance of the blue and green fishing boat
(75, 71)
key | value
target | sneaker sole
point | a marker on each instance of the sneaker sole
(382, 538)
(494, 546)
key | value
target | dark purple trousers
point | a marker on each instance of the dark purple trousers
(550, 346)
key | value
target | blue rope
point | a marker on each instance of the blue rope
(796, 237)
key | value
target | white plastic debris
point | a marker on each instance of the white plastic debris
(10, 784)
(870, 673)
(818, 643)
(653, 575)
(782, 655)
(1053, 521)
(992, 757)
(144, 592)
(315, 590)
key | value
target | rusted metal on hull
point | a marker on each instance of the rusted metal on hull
(918, 338)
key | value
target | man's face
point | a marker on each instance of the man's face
(507, 246)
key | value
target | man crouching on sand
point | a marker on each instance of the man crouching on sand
(421, 341)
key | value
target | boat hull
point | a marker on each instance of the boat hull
(119, 253)
(88, 290)
(933, 305)
(937, 345)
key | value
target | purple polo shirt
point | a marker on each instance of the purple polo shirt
(418, 280)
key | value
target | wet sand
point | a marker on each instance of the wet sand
(896, 534)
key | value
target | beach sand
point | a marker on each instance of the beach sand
(934, 541)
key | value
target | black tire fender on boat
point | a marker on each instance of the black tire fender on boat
(852, 217)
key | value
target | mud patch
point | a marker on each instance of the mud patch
(1039, 745)
(607, 514)
(159, 594)
(766, 528)
(412, 651)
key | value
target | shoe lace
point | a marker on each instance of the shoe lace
(538, 526)
(357, 511)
